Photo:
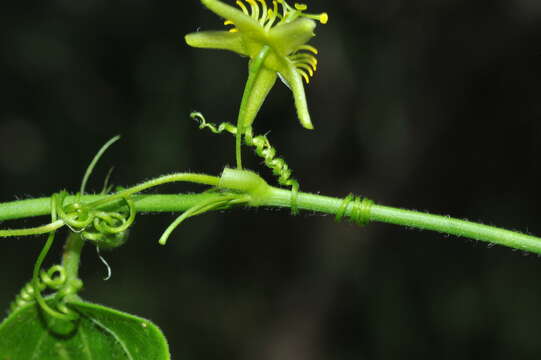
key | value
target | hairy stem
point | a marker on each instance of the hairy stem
(45, 229)
(277, 197)
(186, 177)
(410, 218)
(143, 202)
(72, 255)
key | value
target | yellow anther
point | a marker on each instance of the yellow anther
(300, 7)
(322, 18)
(243, 7)
(228, 22)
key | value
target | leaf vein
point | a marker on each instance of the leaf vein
(84, 340)
(112, 333)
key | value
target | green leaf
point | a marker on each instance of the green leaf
(100, 333)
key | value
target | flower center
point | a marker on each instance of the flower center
(280, 13)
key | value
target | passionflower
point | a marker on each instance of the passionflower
(275, 39)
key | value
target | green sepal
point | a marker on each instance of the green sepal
(294, 81)
(243, 22)
(263, 83)
(223, 40)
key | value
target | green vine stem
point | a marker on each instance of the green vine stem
(72, 256)
(185, 177)
(147, 203)
(413, 219)
(262, 194)
(97, 203)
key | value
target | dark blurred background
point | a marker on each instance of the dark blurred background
(430, 105)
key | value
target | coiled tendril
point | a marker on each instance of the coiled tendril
(357, 209)
(263, 149)
(42, 280)
(54, 279)
(106, 228)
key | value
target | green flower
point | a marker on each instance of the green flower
(273, 38)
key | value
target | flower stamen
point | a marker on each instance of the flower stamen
(303, 74)
(233, 29)
(272, 15)
(306, 59)
(285, 8)
(255, 9)
(322, 18)
(243, 7)
(265, 16)
(264, 12)
(305, 63)
(305, 66)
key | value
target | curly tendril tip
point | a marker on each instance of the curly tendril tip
(108, 229)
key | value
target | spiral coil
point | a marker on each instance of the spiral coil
(106, 228)
(263, 149)
(54, 279)
(356, 208)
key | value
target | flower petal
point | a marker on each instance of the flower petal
(288, 37)
(294, 82)
(224, 40)
(241, 21)
(263, 83)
